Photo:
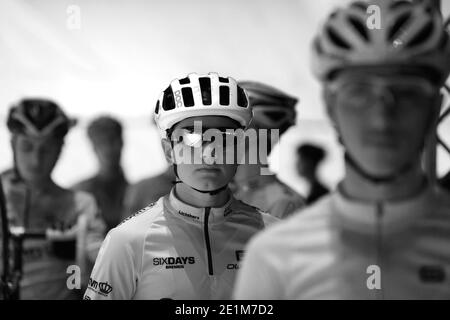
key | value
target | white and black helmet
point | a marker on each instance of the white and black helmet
(412, 33)
(202, 95)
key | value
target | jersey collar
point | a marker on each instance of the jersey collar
(390, 216)
(197, 215)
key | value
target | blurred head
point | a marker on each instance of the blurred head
(309, 157)
(382, 85)
(383, 117)
(38, 128)
(272, 108)
(214, 102)
(105, 134)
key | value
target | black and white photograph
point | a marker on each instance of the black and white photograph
(218, 157)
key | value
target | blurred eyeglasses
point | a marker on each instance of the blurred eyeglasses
(195, 139)
(363, 94)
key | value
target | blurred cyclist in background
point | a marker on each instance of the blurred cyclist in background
(72, 232)
(189, 243)
(385, 232)
(108, 186)
(254, 183)
(309, 157)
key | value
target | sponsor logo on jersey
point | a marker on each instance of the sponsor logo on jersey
(101, 288)
(239, 255)
(173, 262)
(188, 215)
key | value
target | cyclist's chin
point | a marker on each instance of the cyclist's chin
(382, 166)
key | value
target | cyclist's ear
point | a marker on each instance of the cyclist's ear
(168, 150)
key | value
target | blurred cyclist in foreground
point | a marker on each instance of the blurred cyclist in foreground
(385, 232)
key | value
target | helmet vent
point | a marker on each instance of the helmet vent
(399, 4)
(274, 115)
(188, 97)
(224, 80)
(242, 98)
(169, 100)
(397, 27)
(422, 36)
(157, 108)
(205, 88)
(337, 39)
(185, 81)
(359, 6)
(224, 95)
(360, 27)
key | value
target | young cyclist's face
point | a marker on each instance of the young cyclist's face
(383, 120)
(36, 157)
(202, 171)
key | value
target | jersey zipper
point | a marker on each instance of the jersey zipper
(208, 242)
(380, 246)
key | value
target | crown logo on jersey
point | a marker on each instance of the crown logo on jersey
(105, 287)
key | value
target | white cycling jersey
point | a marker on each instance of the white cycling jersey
(175, 251)
(344, 249)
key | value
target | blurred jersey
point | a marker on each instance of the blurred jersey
(45, 262)
(345, 249)
(109, 192)
(147, 191)
(269, 194)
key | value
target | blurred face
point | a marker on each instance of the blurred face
(108, 149)
(36, 157)
(202, 171)
(383, 120)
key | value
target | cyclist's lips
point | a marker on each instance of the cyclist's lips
(209, 169)
(383, 141)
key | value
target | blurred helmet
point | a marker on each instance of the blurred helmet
(412, 34)
(38, 118)
(272, 108)
(202, 95)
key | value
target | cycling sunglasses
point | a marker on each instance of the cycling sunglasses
(363, 94)
(195, 139)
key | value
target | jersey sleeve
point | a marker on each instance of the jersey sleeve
(257, 279)
(115, 274)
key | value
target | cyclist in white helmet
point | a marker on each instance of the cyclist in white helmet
(254, 183)
(385, 232)
(189, 243)
(64, 223)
